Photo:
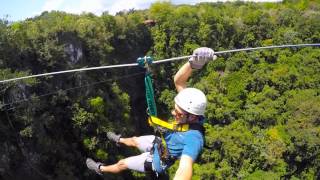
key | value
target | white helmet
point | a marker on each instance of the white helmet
(191, 100)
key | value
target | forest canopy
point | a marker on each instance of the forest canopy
(263, 114)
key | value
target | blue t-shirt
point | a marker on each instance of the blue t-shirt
(188, 143)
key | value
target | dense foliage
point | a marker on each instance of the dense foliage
(264, 106)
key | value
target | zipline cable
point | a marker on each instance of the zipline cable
(68, 71)
(239, 50)
(157, 62)
(65, 90)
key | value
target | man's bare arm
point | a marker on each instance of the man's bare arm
(182, 76)
(184, 171)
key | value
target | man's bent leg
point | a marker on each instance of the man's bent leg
(137, 163)
(143, 143)
(132, 142)
(134, 163)
(114, 168)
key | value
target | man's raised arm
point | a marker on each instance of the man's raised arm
(200, 57)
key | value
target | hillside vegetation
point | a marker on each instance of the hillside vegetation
(263, 116)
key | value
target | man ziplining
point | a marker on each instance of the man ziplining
(157, 154)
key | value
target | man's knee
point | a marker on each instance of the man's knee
(122, 165)
(132, 141)
(135, 141)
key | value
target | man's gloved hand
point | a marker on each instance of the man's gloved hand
(201, 56)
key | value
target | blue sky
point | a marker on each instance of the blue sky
(15, 10)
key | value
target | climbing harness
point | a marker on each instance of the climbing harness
(156, 122)
(160, 158)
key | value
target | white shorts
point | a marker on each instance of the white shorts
(145, 144)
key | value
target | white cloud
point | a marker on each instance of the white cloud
(93, 6)
(96, 6)
(75, 6)
(52, 5)
(126, 5)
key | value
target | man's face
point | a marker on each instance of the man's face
(179, 115)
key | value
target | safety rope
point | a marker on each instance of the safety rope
(152, 108)
(158, 147)
(145, 63)
(156, 62)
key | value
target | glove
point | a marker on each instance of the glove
(201, 56)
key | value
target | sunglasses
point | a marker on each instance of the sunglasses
(179, 113)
